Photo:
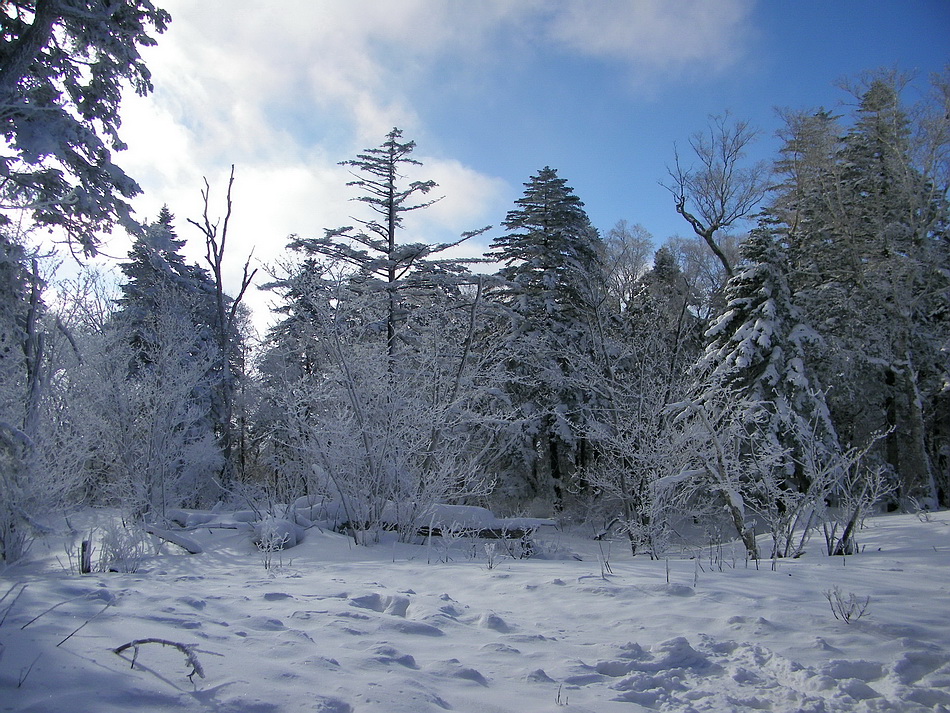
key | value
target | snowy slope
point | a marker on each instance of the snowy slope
(397, 629)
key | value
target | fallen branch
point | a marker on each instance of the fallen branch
(186, 543)
(187, 649)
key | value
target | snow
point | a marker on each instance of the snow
(336, 628)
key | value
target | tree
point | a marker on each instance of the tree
(165, 298)
(721, 191)
(553, 282)
(155, 273)
(62, 67)
(400, 273)
(226, 322)
(385, 446)
(643, 365)
(757, 354)
(626, 258)
(32, 443)
(702, 272)
(865, 211)
(144, 411)
(19, 382)
(368, 371)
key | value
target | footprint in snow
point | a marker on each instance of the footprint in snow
(912, 666)
(539, 676)
(193, 602)
(454, 669)
(388, 654)
(177, 622)
(331, 705)
(863, 670)
(414, 628)
(393, 605)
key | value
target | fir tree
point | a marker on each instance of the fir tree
(758, 351)
(62, 69)
(156, 273)
(553, 283)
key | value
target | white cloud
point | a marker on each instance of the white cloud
(285, 91)
(656, 35)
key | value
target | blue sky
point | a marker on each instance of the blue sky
(491, 91)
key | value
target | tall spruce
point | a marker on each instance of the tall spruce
(866, 222)
(553, 281)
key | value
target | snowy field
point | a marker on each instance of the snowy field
(399, 629)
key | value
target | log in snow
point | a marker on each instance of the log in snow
(186, 543)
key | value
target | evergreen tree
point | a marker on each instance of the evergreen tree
(62, 70)
(165, 298)
(758, 356)
(553, 283)
(866, 226)
(758, 350)
(156, 273)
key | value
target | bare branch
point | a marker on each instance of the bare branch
(187, 649)
(721, 190)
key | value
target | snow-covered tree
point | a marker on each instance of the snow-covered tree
(641, 366)
(553, 283)
(367, 376)
(63, 64)
(757, 354)
(865, 214)
(150, 444)
(157, 272)
(758, 349)
(37, 466)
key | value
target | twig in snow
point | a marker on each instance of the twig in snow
(23, 589)
(76, 630)
(187, 649)
(55, 606)
(25, 672)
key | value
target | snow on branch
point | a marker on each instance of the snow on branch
(187, 649)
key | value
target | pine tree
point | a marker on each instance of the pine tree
(758, 352)
(62, 70)
(866, 225)
(553, 283)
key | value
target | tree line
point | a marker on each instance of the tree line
(784, 379)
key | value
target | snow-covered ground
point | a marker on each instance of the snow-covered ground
(397, 629)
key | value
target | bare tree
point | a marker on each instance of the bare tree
(722, 189)
(629, 249)
(226, 311)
